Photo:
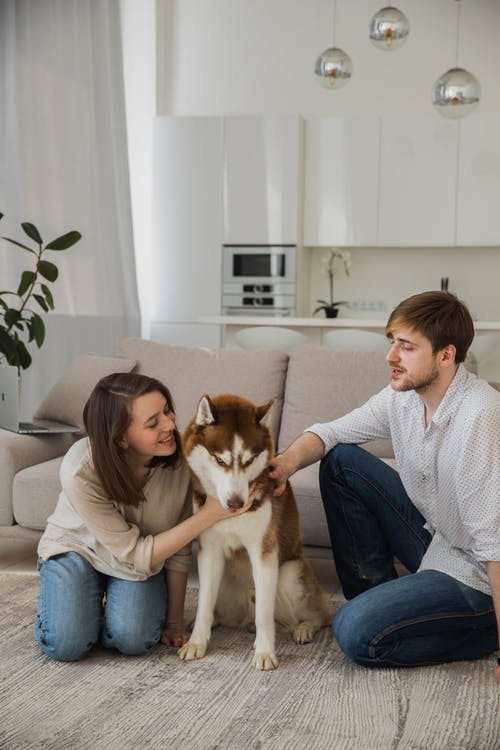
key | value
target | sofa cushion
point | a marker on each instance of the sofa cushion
(35, 493)
(66, 399)
(189, 372)
(323, 384)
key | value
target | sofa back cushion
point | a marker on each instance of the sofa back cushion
(323, 384)
(189, 372)
(66, 399)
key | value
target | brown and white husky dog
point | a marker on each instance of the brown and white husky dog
(252, 568)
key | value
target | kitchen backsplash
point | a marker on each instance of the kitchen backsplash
(381, 277)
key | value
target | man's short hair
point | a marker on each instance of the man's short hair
(439, 316)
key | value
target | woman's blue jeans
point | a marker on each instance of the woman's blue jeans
(425, 617)
(72, 618)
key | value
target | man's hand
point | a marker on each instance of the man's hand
(306, 450)
(279, 471)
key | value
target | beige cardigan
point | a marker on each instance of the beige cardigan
(117, 540)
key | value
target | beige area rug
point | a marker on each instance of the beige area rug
(315, 700)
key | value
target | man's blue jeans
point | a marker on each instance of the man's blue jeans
(421, 618)
(71, 618)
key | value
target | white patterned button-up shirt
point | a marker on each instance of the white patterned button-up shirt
(450, 470)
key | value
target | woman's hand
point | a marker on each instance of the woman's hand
(497, 672)
(214, 510)
(173, 634)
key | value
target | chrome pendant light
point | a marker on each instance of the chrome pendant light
(457, 92)
(389, 29)
(333, 66)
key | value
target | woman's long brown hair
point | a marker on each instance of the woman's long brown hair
(106, 416)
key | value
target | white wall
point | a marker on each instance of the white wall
(258, 56)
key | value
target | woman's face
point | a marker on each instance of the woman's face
(151, 429)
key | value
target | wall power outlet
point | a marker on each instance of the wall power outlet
(367, 304)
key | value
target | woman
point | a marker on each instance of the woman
(115, 555)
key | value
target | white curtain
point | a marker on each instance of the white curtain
(63, 166)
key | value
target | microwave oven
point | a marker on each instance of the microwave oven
(259, 263)
(258, 279)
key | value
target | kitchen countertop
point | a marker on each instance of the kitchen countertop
(288, 322)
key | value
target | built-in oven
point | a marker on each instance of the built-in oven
(258, 279)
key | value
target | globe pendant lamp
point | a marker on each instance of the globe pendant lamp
(457, 92)
(389, 29)
(333, 67)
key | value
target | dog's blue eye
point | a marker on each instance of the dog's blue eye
(249, 461)
(220, 460)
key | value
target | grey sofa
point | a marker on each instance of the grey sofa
(307, 385)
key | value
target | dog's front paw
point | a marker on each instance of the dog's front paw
(264, 661)
(304, 632)
(191, 651)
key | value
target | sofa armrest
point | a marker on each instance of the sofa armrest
(20, 451)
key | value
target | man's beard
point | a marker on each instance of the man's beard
(419, 384)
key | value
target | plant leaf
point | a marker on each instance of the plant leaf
(27, 280)
(19, 244)
(47, 270)
(8, 347)
(32, 232)
(37, 329)
(11, 317)
(48, 296)
(23, 356)
(65, 241)
(41, 302)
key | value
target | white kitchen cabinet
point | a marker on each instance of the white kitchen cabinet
(341, 181)
(418, 178)
(187, 221)
(262, 166)
(478, 205)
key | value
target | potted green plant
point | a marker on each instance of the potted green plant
(333, 262)
(20, 321)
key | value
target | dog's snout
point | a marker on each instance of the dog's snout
(235, 502)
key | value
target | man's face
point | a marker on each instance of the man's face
(413, 365)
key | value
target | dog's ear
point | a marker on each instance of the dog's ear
(264, 413)
(205, 413)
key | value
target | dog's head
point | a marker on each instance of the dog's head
(228, 445)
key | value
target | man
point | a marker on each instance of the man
(439, 514)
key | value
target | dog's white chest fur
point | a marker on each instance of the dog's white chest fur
(243, 531)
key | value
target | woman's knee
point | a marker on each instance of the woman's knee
(69, 607)
(131, 638)
(64, 643)
(135, 612)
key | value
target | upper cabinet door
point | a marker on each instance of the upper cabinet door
(262, 157)
(418, 178)
(341, 181)
(478, 215)
(187, 218)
